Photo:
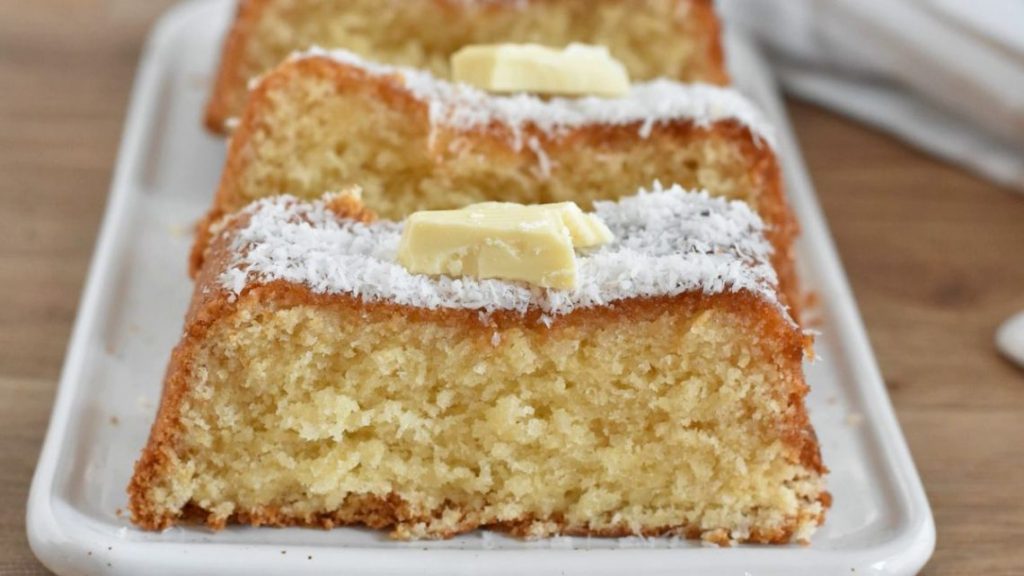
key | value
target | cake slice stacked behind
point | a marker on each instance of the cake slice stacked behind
(654, 38)
(326, 120)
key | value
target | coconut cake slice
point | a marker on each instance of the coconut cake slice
(319, 383)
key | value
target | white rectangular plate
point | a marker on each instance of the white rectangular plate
(130, 318)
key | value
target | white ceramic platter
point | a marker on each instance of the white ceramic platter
(131, 314)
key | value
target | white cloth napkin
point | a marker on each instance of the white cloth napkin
(945, 75)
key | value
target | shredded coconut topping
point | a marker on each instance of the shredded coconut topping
(462, 107)
(667, 242)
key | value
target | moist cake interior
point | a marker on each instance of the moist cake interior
(653, 418)
(427, 37)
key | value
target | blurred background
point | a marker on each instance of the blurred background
(910, 115)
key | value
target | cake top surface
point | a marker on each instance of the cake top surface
(667, 242)
(463, 107)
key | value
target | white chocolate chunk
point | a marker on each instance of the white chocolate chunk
(576, 70)
(587, 230)
(534, 244)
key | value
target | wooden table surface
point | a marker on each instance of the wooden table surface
(935, 256)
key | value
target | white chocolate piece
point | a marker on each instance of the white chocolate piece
(534, 244)
(576, 70)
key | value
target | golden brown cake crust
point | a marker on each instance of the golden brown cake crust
(211, 303)
(226, 96)
(230, 86)
(773, 206)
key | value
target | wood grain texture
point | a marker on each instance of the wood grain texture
(935, 256)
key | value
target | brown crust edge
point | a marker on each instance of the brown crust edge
(228, 95)
(717, 72)
(211, 304)
(392, 513)
(230, 82)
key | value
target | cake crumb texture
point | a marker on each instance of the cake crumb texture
(682, 416)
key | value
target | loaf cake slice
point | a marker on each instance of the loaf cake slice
(318, 383)
(654, 38)
(325, 120)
